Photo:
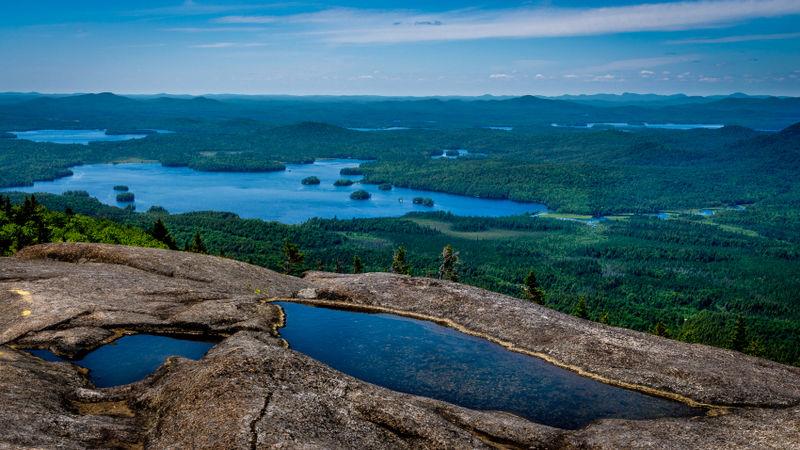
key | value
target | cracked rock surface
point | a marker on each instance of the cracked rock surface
(250, 391)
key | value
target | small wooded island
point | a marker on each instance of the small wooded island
(125, 197)
(343, 182)
(360, 195)
(351, 171)
(308, 181)
(424, 201)
(121, 188)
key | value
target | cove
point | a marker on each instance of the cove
(430, 360)
(75, 136)
(132, 358)
(278, 196)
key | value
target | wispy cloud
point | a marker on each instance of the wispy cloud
(343, 25)
(247, 19)
(229, 45)
(196, 8)
(638, 64)
(215, 29)
(741, 38)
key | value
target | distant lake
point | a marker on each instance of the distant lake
(663, 126)
(380, 129)
(276, 196)
(75, 136)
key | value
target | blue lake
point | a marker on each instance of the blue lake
(662, 126)
(132, 358)
(276, 196)
(75, 136)
(430, 360)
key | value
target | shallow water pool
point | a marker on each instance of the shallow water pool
(423, 358)
(132, 358)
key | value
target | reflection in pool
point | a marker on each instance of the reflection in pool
(132, 358)
(430, 360)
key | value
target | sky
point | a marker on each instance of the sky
(413, 47)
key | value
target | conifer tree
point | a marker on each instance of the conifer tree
(532, 290)
(160, 232)
(448, 270)
(292, 257)
(739, 335)
(399, 264)
(358, 266)
(581, 311)
(197, 245)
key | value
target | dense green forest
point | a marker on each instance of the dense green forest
(690, 277)
(29, 223)
(577, 171)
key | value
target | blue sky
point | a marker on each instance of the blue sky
(387, 47)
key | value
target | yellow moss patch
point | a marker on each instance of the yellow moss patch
(116, 409)
(25, 313)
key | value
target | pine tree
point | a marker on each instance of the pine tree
(197, 245)
(448, 268)
(337, 267)
(581, 311)
(756, 347)
(532, 290)
(358, 267)
(160, 232)
(5, 205)
(292, 257)
(399, 264)
(660, 330)
(739, 335)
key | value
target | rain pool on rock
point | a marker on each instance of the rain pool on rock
(132, 358)
(423, 358)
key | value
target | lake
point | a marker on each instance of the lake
(427, 359)
(75, 136)
(276, 196)
(132, 358)
(662, 126)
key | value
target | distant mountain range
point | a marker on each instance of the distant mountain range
(27, 110)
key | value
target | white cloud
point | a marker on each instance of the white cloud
(500, 76)
(247, 19)
(214, 29)
(640, 63)
(342, 25)
(741, 38)
(229, 45)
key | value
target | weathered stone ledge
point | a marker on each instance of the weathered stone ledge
(694, 373)
(250, 391)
